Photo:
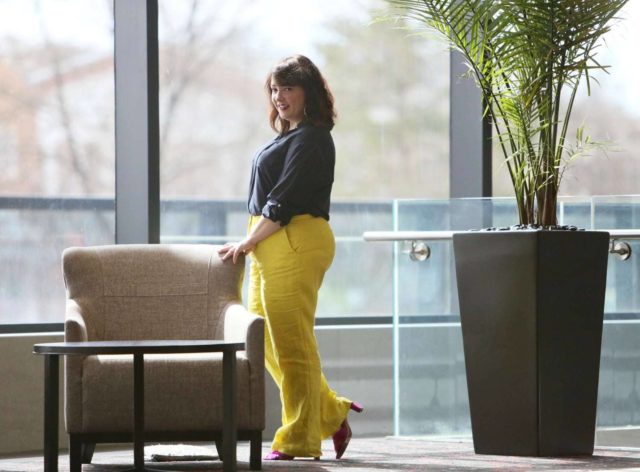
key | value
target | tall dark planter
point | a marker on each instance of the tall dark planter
(531, 306)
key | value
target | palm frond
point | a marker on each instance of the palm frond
(525, 55)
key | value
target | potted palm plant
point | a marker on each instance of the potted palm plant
(531, 298)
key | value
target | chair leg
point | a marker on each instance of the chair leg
(219, 448)
(255, 455)
(87, 452)
(75, 453)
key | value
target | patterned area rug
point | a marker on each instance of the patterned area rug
(366, 455)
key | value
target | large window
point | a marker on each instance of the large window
(392, 96)
(391, 90)
(56, 147)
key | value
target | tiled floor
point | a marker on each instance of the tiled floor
(371, 454)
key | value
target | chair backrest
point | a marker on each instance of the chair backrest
(151, 291)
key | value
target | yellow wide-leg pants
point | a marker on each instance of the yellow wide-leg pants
(287, 269)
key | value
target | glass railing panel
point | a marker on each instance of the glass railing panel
(623, 277)
(359, 280)
(575, 211)
(619, 391)
(429, 382)
(431, 388)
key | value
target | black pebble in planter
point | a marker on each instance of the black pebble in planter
(531, 307)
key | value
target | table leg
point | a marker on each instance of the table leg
(138, 411)
(51, 396)
(229, 401)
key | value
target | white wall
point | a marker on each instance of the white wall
(22, 393)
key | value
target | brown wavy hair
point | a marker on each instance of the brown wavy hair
(318, 99)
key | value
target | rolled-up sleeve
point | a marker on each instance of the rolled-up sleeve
(301, 176)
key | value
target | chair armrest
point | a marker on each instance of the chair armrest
(240, 325)
(75, 328)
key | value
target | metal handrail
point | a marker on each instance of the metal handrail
(623, 233)
(372, 236)
(420, 251)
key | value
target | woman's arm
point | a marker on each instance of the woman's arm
(262, 230)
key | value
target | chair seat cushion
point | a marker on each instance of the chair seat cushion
(183, 392)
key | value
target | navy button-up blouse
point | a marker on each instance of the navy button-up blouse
(293, 175)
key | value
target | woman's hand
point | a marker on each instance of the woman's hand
(233, 250)
(262, 230)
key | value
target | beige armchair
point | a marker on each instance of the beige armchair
(134, 292)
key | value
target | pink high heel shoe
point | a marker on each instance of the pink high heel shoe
(278, 456)
(343, 435)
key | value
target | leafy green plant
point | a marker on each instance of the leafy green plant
(528, 57)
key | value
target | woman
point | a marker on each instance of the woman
(292, 246)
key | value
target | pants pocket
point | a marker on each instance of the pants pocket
(286, 240)
(309, 234)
